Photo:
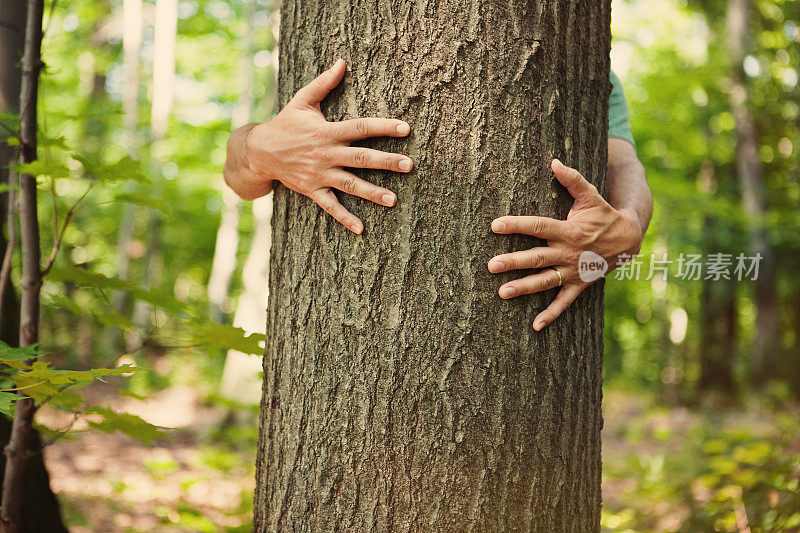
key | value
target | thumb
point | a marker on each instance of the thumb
(574, 182)
(316, 91)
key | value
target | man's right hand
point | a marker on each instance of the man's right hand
(306, 153)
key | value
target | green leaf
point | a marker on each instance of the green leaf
(18, 358)
(229, 338)
(42, 168)
(23, 353)
(5, 187)
(7, 400)
(146, 201)
(67, 399)
(129, 424)
(124, 169)
(62, 302)
(83, 277)
(53, 142)
(131, 394)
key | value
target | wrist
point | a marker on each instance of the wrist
(637, 227)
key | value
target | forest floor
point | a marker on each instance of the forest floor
(663, 469)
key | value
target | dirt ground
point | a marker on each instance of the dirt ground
(191, 482)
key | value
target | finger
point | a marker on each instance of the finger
(352, 184)
(533, 258)
(575, 183)
(327, 200)
(369, 158)
(545, 280)
(563, 299)
(318, 89)
(543, 227)
(362, 128)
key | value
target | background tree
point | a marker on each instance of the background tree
(39, 508)
(400, 393)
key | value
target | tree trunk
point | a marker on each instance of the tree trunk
(767, 361)
(22, 441)
(40, 510)
(132, 29)
(400, 393)
(224, 263)
(164, 39)
(720, 314)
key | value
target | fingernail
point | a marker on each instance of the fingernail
(539, 325)
(388, 199)
(403, 129)
(336, 63)
(507, 292)
(498, 227)
(355, 228)
(405, 165)
(559, 165)
(496, 265)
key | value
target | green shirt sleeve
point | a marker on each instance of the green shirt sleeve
(619, 125)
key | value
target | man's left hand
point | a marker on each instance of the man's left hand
(592, 224)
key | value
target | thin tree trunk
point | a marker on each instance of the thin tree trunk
(12, 42)
(224, 264)
(40, 510)
(719, 326)
(131, 48)
(767, 358)
(400, 393)
(166, 20)
(240, 376)
(19, 448)
(241, 379)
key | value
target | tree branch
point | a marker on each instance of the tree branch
(59, 237)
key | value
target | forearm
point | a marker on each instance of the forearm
(237, 171)
(628, 191)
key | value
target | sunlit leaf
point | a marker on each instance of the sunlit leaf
(124, 169)
(7, 402)
(229, 338)
(143, 200)
(43, 168)
(131, 425)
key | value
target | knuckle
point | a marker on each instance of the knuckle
(349, 184)
(325, 132)
(572, 256)
(572, 234)
(361, 127)
(360, 158)
(391, 162)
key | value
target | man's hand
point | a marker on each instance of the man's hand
(592, 224)
(306, 153)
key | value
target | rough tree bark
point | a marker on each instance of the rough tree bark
(40, 510)
(400, 393)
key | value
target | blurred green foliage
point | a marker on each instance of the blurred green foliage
(673, 59)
